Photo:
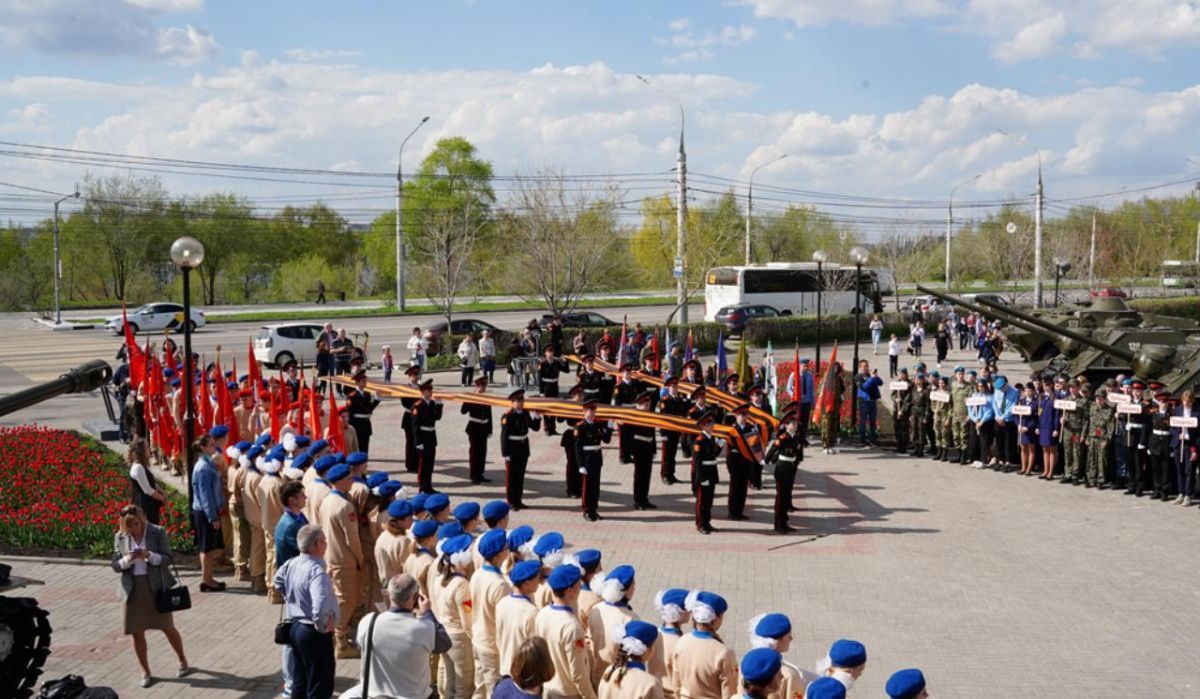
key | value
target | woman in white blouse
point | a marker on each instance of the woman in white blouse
(144, 490)
(142, 555)
(468, 359)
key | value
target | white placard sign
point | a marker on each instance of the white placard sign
(1130, 408)
(1118, 398)
(939, 396)
(976, 401)
(1022, 410)
(1063, 404)
(898, 385)
(1183, 422)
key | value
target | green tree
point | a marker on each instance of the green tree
(715, 232)
(123, 214)
(225, 224)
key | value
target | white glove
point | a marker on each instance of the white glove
(720, 442)
(706, 483)
(583, 471)
(535, 415)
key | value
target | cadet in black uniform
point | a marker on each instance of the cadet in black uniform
(677, 404)
(361, 404)
(692, 373)
(706, 450)
(740, 468)
(608, 386)
(589, 434)
(641, 447)
(406, 423)
(1159, 445)
(574, 482)
(627, 391)
(590, 379)
(425, 414)
(757, 398)
(1138, 428)
(785, 453)
(515, 426)
(479, 429)
(549, 368)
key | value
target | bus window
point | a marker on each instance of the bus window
(722, 276)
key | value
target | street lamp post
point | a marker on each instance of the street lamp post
(187, 253)
(858, 255)
(681, 212)
(1037, 222)
(950, 223)
(819, 256)
(1061, 267)
(401, 248)
(57, 263)
(750, 201)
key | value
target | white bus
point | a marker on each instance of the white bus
(1180, 273)
(792, 287)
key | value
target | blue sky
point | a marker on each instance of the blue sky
(897, 99)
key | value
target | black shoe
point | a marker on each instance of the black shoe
(639, 507)
(1129, 491)
(485, 479)
(711, 529)
(793, 509)
(1103, 486)
(704, 530)
(219, 587)
(1066, 481)
(649, 506)
(784, 530)
(738, 518)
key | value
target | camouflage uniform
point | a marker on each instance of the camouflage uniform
(1074, 432)
(920, 416)
(1100, 427)
(831, 420)
(942, 426)
(902, 414)
(959, 394)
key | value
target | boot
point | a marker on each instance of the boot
(274, 597)
(258, 584)
(344, 649)
(241, 573)
(962, 456)
(946, 455)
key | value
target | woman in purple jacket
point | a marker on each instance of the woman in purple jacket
(1027, 428)
(1048, 427)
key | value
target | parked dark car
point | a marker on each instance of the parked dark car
(458, 328)
(736, 317)
(580, 319)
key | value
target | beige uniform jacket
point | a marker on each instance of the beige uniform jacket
(661, 665)
(603, 618)
(634, 684)
(271, 507)
(514, 623)
(419, 565)
(340, 525)
(251, 500)
(488, 587)
(454, 606)
(704, 668)
(391, 553)
(544, 596)
(564, 635)
(249, 422)
(587, 600)
(316, 495)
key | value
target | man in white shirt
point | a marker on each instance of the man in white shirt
(404, 637)
(416, 351)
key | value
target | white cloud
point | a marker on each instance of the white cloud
(185, 46)
(321, 55)
(168, 5)
(694, 47)
(816, 13)
(1036, 39)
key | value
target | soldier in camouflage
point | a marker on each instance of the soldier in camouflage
(831, 418)
(943, 422)
(920, 415)
(1074, 431)
(960, 391)
(902, 412)
(1099, 435)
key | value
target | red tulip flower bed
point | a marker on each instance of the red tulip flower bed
(61, 492)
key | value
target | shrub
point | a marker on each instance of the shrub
(1183, 307)
(62, 492)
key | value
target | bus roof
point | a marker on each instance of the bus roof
(785, 266)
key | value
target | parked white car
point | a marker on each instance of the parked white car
(278, 344)
(155, 316)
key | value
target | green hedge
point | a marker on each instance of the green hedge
(1183, 307)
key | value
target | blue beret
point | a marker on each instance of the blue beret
(675, 595)
(302, 440)
(959, 368)
(495, 511)
(1000, 382)
(456, 544)
(712, 599)
(847, 653)
(972, 373)
(301, 461)
(232, 385)
(418, 502)
(588, 558)
(563, 577)
(548, 543)
(495, 541)
(355, 458)
(168, 372)
(760, 665)
(263, 440)
(243, 377)
(905, 684)
(337, 473)
(437, 502)
(449, 530)
(519, 537)
(804, 360)
(424, 528)
(174, 382)
(825, 688)
(1127, 382)
(255, 452)
(466, 511)
(773, 626)
(623, 574)
(324, 463)
(390, 488)
(219, 431)
(524, 571)
(318, 446)
(399, 509)
(645, 632)
(277, 453)
(920, 365)
(243, 445)
(376, 479)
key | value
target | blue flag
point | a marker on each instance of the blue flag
(722, 366)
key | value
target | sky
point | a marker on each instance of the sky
(873, 110)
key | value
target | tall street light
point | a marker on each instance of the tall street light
(680, 209)
(1196, 193)
(401, 248)
(858, 255)
(1037, 222)
(950, 222)
(57, 262)
(1061, 267)
(819, 256)
(187, 253)
(750, 201)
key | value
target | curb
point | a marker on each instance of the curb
(65, 325)
(52, 560)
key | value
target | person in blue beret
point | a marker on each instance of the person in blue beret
(515, 613)
(548, 548)
(420, 562)
(393, 547)
(495, 514)
(418, 503)
(906, 684)
(628, 677)
(488, 586)
(320, 486)
(559, 625)
(705, 666)
(761, 676)
(453, 607)
(774, 631)
(251, 507)
(605, 618)
(825, 688)
(467, 514)
(438, 506)
(520, 543)
(845, 662)
(588, 561)
(344, 555)
(669, 603)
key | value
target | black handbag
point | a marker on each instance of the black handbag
(172, 599)
(283, 629)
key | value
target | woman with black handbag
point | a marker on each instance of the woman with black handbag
(142, 554)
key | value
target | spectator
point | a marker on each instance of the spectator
(416, 351)
(320, 291)
(532, 668)
(942, 342)
(579, 344)
(876, 333)
(401, 644)
(207, 503)
(528, 343)
(141, 554)
(867, 383)
(487, 356)
(893, 356)
(145, 491)
(556, 335)
(294, 499)
(342, 348)
(388, 362)
(468, 359)
(313, 610)
(324, 362)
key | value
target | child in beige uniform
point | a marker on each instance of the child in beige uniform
(703, 667)
(774, 631)
(669, 604)
(627, 676)
(452, 606)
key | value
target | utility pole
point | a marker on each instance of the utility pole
(58, 262)
(1092, 255)
(1037, 241)
(950, 223)
(681, 225)
(401, 248)
(750, 202)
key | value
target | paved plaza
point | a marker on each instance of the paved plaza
(996, 585)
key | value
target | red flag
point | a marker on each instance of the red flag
(621, 359)
(225, 408)
(314, 413)
(206, 406)
(300, 427)
(825, 395)
(137, 358)
(255, 378)
(797, 376)
(336, 439)
(657, 365)
(689, 351)
(275, 400)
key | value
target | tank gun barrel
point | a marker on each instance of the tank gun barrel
(1051, 329)
(83, 378)
(999, 313)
